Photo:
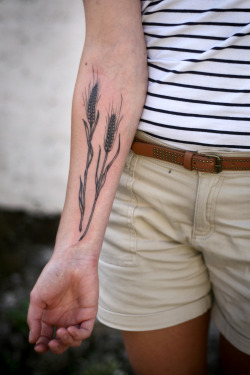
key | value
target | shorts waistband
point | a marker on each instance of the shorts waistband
(192, 161)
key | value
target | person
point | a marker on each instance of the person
(157, 235)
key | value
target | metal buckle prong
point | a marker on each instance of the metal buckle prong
(218, 165)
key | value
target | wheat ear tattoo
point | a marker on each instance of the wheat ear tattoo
(113, 120)
(90, 99)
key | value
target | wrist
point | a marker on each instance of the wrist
(76, 253)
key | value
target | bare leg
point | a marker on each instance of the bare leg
(233, 360)
(178, 350)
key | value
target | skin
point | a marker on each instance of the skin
(66, 293)
(178, 350)
(233, 360)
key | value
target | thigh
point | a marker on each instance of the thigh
(177, 350)
(233, 360)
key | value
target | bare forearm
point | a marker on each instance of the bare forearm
(107, 104)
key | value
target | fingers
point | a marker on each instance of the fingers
(63, 341)
(70, 337)
(83, 331)
(42, 344)
(46, 335)
(34, 318)
(41, 333)
(56, 345)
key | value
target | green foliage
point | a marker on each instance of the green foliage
(17, 316)
(103, 368)
(26, 243)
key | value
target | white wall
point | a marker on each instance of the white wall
(40, 46)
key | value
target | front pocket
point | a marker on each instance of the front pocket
(119, 246)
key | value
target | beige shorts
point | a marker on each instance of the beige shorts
(178, 243)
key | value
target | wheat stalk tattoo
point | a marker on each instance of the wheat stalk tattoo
(90, 99)
(113, 120)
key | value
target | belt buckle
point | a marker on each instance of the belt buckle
(218, 165)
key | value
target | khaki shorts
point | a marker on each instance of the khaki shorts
(178, 243)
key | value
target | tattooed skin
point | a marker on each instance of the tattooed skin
(104, 161)
(90, 99)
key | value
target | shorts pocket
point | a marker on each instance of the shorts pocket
(119, 246)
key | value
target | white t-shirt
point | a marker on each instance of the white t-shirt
(199, 73)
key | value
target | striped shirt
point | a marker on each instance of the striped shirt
(199, 73)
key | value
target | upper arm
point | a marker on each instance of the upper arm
(115, 49)
(113, 23)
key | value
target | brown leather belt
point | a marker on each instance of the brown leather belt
(192, 161)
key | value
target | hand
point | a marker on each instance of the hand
(65, 296)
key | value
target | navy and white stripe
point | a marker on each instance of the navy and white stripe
(199, 73)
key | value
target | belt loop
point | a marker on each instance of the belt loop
(187, 162)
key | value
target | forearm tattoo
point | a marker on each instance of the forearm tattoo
(106, 155)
